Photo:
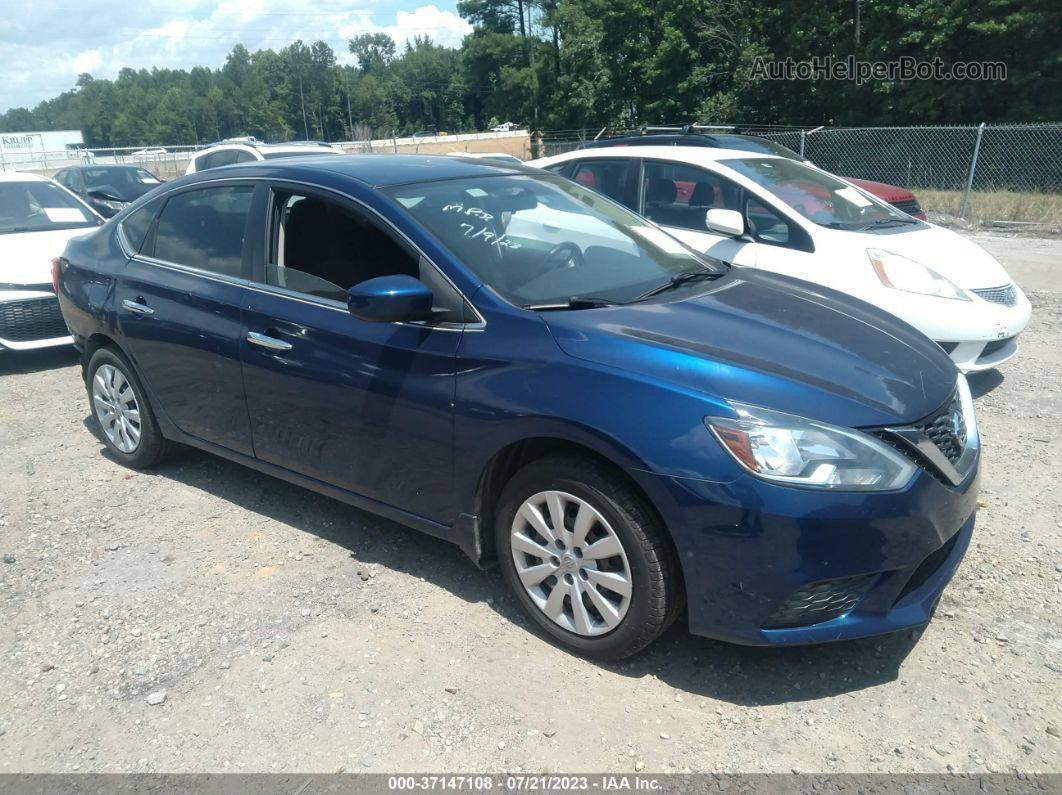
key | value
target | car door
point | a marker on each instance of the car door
(178, 304)
(678, 196)
(366, 407)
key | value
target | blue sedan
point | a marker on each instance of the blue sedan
(509, 361)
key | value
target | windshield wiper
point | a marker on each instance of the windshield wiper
(678, 279)
(575, 302)
(881, 223)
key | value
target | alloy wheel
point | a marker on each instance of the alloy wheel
(571, 563)
(116, 408)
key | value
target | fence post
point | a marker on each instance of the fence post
(803, 135)
(973, 168)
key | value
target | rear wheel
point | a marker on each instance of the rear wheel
(121, 410)
(586, 557)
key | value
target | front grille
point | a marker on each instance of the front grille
(31, 320)
(1005, 295)
(820, 601)
(994, 346)
(928, 567)
(909, 206)
(947, 429)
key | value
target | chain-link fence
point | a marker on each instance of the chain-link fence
(987, 169)
(166, 162)
(1005, 173)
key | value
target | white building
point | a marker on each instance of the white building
(22, 150)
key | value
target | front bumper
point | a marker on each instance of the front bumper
(755, 555)
(31, 319)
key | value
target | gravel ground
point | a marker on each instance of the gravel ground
(204, 618)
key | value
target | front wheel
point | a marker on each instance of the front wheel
(586, 557)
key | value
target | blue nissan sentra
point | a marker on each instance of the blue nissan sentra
(507, 360)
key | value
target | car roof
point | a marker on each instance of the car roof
(99, 166)
(260, 147)
(689, 154)
(381, 170)
(22, 176)
(737, 141)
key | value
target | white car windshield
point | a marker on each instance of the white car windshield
(545, 242)
(818, 196)
(40, 206)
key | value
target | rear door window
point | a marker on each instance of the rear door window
(605, 176)
(205, 229)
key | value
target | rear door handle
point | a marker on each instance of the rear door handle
(270, 343)
(140, 309)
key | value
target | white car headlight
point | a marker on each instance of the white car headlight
(901, 273)
(788, 449)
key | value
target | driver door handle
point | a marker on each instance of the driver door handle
(269, 343)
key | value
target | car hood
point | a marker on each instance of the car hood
(884, 191)
(772, 341)
(953, 256)
(26, 257)
(126, 193)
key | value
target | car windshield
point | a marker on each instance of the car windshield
(817, 196)
(100, 177)
(39, 207)
(545, 241)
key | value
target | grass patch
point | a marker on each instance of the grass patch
(1000, 205)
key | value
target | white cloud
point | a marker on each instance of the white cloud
(180, 34)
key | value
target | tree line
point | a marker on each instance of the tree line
(566, 64)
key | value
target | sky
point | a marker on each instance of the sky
(46, 44)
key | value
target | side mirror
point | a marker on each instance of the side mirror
(390, 299)
(725, 222)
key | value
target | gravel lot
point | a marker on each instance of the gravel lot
(202, 617)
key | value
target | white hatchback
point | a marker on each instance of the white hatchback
(37, 218)
(782, 215)
(249, 150)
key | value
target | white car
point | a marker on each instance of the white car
(151, 151)
(226, 154)
(505, 126)
(782, 215)
(501, 157)
(37, 217)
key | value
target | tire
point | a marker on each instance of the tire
(131, 434)
(598, 505)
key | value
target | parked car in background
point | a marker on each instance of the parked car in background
(107, 189)
(227, 154)
(630, 427)
(500, 157)
(901, 198)
(151, 151)
(783, 215)
(37, 218)
(507, 126)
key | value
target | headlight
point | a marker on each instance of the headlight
(796, 451)
(905, 274)
(111, 205)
